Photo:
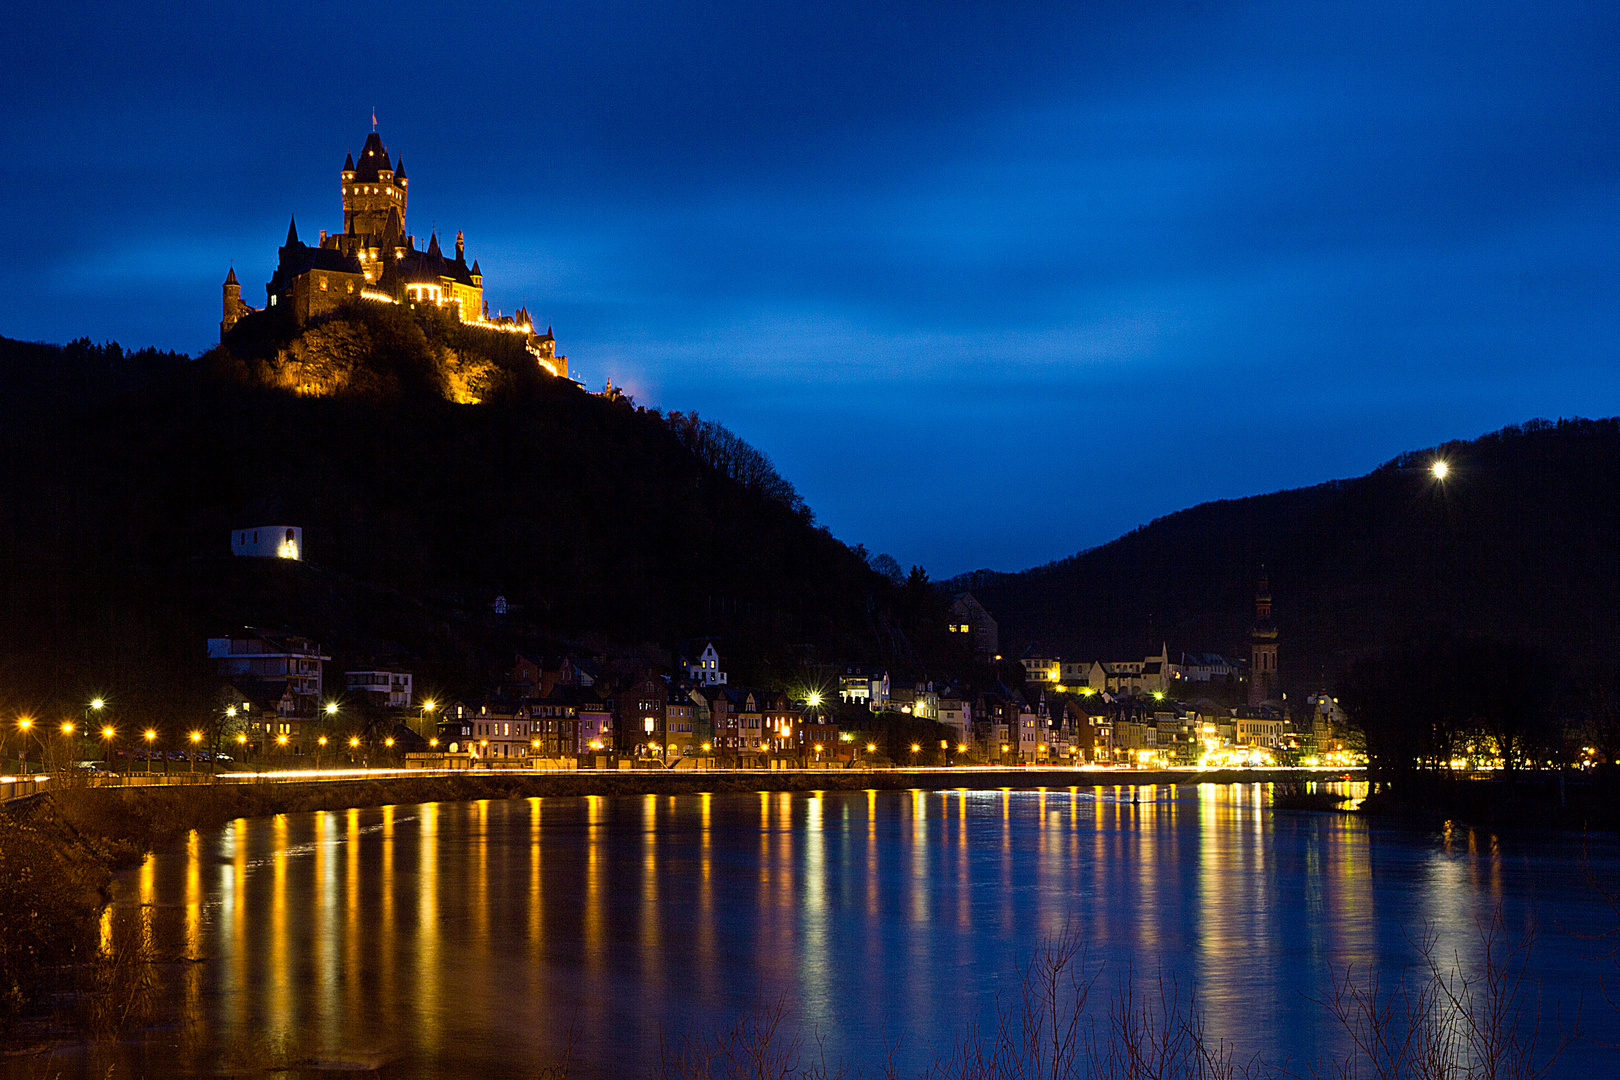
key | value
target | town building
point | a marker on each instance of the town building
(269, 542)
(864, 686)
(278, 666)
(705, 669)
(383, 687)
(969, 618)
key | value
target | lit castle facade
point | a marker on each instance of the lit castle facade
(375, 260)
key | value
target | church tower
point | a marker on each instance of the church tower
(1263, 648)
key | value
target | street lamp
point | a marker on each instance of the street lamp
(107, 734)
(320, 744)
(67, 738)
(150, 736)
(196, 740)
(25, 724)
(331, 708)
(1440, 469)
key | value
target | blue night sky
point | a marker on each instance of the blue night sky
(989, 282)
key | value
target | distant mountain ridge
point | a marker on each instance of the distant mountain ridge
(1519, 544)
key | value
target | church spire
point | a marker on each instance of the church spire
(433, 244)
(292, 232)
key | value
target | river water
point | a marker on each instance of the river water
(479, 939)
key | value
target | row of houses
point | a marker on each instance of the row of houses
(1150, 675)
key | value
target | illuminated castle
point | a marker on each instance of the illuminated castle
(375, 260)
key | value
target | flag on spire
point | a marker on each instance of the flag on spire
(374, 118)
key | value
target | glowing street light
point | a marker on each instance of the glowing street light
(191, 762)
(1440, 469)
(151, 737)
(107, 734)
(331, 708)
(814, 700)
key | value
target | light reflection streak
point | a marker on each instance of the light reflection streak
(280, 1005)
(426, 996)
(351, 921)
(814, 973)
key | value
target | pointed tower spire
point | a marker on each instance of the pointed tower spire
(292, 232)
(399, 171)
(348, 162)
(433, 244)
(230, 277)
(461, 247)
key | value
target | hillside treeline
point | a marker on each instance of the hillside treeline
(607, 528)
(1517, 547)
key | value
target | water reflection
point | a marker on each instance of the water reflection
(471, 939)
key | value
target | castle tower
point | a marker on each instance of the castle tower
(374, 202)
(1263, 648)
(234, 309)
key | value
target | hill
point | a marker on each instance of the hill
(1520, 544)
(607, 527)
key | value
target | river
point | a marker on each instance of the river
(482, 939)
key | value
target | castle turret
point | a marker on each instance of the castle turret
(234, 309)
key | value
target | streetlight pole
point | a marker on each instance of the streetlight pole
(24, 725)
(150, 737)
(67, 742)
(191, 762)
(107, 734)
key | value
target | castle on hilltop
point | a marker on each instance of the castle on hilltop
(375, 260)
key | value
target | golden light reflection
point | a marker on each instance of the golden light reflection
(324, 918)
(705, 926)
(536, 898)
(194, 948)
(480, 877)
(651, 946)
(279, 1008)
(385, 890)
(351, 921)
(428, 943)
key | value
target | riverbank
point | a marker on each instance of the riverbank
(132, 821)
(1582, 802)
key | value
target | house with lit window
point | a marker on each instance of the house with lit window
(268, 542)
(969, 619)
(705, 669)
(252, 655)
(864, 686)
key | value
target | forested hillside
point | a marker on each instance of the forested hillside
(605, 526)
(1519, 545)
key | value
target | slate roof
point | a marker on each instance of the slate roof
(373, 159)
